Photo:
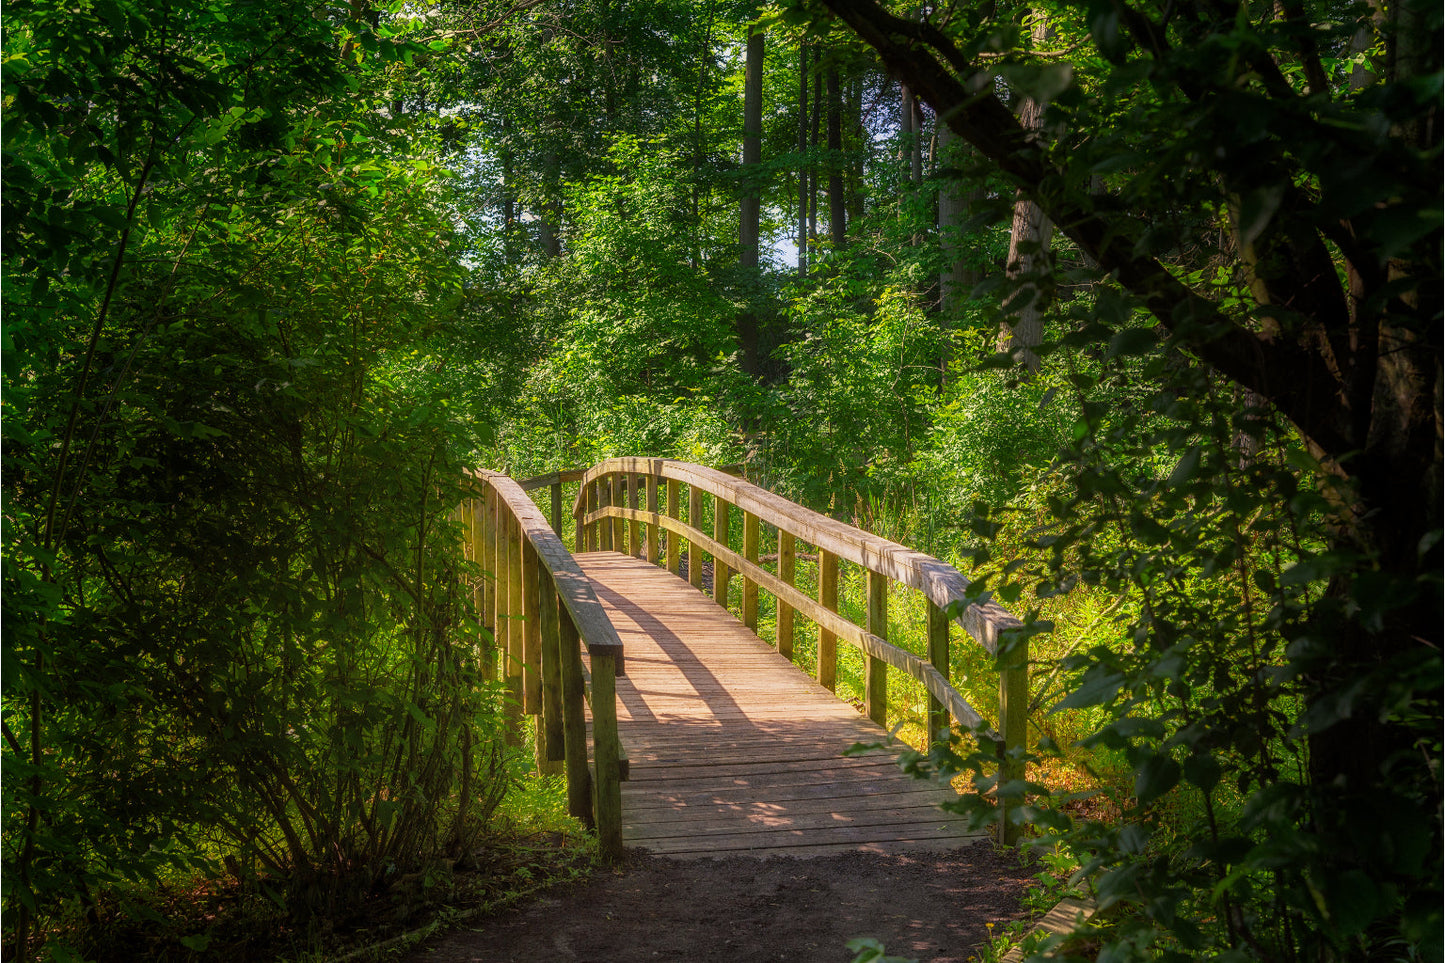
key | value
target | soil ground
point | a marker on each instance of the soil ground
(933, 907)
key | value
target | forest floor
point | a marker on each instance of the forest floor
(936, 907)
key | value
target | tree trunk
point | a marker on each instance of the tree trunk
(750, 206)
(802, 160)
(837, 203)
(1028, 252)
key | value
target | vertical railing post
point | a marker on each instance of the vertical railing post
(938, 722)
(634, 527)
(487, 611)
(605, 527)
(875, 670)
(1013, 713)
(494, 587)
(720, 573)
(574, 719)
(619, 525)
(552, 742)
(674, 544)
(750, 587)
(651, 527)
(606, 752)
(512, 630)
(531, 629)
(787, 562)
(694, 552)
(827, 640)
(579, 526)
(557, 507)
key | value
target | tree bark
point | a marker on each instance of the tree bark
(751, 203)
(837, 203)
(1028, 253)
(802, 160)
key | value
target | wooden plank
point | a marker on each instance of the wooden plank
(674, 542)
(652, 530)
(531, 630)
(720, 573)
(634, 544)
(869, 643)
(579, 779)
(875, 670)
(750, 586)
(938, 658)
(694, 522)
(787, 562)
(938, 580)
(554, 742)
(827, 638)
(732, 748)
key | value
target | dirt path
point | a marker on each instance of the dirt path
(929, 906)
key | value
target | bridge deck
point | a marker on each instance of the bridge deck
(733, 749)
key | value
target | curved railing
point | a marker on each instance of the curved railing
(541, 609)
(609, 508)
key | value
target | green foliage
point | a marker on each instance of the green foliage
(235, 639)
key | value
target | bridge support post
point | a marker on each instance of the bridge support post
(938, 721)
(634, 528)
(720, 573)
(606, 754)
(827, 640)
(619, 526)
(604, 525)
(511, 650)
(674, 544)
(487, 559)
(787, 561)
(1013, 706)
(694, 553)
(750, 588)
(557, 508)
(651, 528)
(552, 745)
(875, 670)
(574, 720)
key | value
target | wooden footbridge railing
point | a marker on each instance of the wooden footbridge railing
(633, 501)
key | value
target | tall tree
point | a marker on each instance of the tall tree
(1029, 239)
(1282, 230)
(750, 204)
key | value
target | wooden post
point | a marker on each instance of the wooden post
(694, 553)
(787, 562)
(509, 637)
(674, 544)
(827, 641)
(634, 527)
(531, 629)
(875, 671)
(574, 719)
(579, 528)
(720, 573)
(606, 754)
(750, 587)
(938, 722)
(488, 613)
(557, 508)
(1013, 715)
(651, 528)
(619, 526)
(604, 526)
(552, 744)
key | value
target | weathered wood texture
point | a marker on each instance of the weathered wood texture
(733, 749)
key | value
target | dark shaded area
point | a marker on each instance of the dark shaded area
(935, 907)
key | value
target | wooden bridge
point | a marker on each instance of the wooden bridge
(703, 738)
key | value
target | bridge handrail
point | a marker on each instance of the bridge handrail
(541, 607)
(943, 586)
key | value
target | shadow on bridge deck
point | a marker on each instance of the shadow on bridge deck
(733, 749)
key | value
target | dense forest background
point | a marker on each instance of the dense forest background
(1131, 309)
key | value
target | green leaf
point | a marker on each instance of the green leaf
(1155, 777)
